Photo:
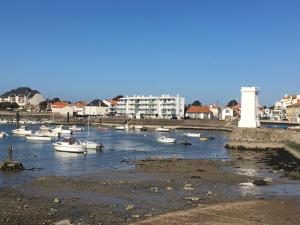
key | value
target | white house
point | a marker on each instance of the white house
(96, 108)
(227, 114)
(62, 108)
(25, 97)
(199, 112)
(164, 107)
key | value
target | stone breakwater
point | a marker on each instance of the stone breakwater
(265, 139)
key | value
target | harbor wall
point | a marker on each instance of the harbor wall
(264, 139)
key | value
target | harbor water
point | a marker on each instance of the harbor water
(120, 147)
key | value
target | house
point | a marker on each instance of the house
(25, 97)
(216, 111)
(199, 112)
(112, 106)
(162, 107)
(227, 114)
(62, 108)
(293, 112)
(79, 108)
(96, 108)
(286, 101)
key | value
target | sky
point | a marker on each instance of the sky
(202, 50)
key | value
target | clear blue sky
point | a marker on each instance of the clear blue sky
(202, 49)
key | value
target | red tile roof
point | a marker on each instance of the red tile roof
(80, 104)
(198, 109)
(113, 102)
(59, 104)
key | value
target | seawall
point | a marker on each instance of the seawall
(263, 139)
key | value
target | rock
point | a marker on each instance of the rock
(194, 199)
(148, 215)
(209, 193)
(154, 189)
(130, 207)
(121, 182)
(56, 200)
(188, 189)
(268, 180)
(25, 206)
(18, 199)
(63, 222)
(135, 216)
(169, 189)
(260, 183)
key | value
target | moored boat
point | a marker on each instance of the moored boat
(3, 134)
(69, 145)
(88, 144)
(195, 135)
(60, 129)
(75, 128)
(123, 127)
(162, 129)
(35, 137)
(22, 131)
(165, 139)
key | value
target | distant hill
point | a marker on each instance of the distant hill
(20, 91)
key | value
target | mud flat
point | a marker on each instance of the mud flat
(198, 190)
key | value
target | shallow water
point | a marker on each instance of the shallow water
(40, 159)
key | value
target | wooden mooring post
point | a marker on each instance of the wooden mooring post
(9, 164)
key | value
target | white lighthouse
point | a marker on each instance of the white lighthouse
(249, 107)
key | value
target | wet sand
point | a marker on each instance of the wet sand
(162, 186)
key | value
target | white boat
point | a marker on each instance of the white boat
(123, 127)
(35, 137)
(138, 127)
(164, 139)
(195, 135)
(295, 128)
(22, 131)
(69, 145)
(161, 129)
(3, 134)
(88, 144)
(60, 130)
(3, 121)
(75, 128)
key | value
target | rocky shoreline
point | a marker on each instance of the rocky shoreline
(155, 187)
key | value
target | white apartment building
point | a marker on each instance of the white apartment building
(163, 107)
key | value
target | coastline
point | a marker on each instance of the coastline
(156, 187)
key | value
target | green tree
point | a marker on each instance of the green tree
(43, 105)
(197, 103)
(232, 103)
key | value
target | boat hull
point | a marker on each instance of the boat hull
(38, 138)
(72, 149)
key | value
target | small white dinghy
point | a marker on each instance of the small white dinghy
(195, 135)
(161, 129)
(165, 139)
(35, 137)
(3, 134)
(123, 127)
(88, 144)
(75, 128)
(22, 131)
(69, 145)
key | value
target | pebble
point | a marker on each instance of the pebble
(18, 199)
(169, 189)
(188, 189)
(135, 216)
(209, 193)
(63, 222)
(268, 180)
(194, 199)
(148, 215)
(130, 207)
(56, 200)
(154, 189)
(26, 206)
